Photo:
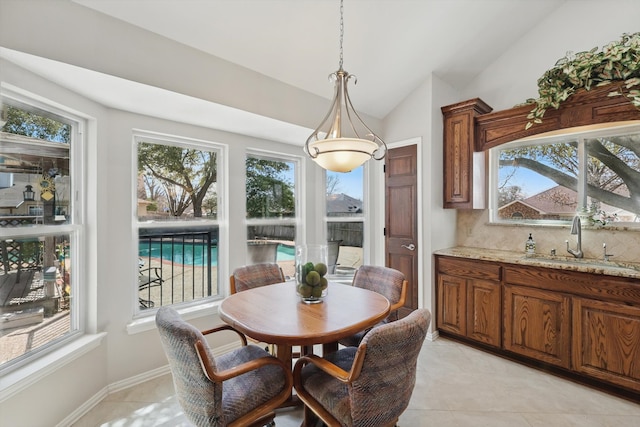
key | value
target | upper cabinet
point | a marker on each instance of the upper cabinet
(585, 108)
(470, 129)
(464, 166)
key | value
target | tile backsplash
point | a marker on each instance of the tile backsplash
(474, 230)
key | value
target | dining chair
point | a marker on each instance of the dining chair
(386, 281)
(239, 388)
(369, 385)
(254, 275)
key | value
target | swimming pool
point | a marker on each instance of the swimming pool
(196, 254)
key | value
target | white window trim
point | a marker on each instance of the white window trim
(17, 376)
(145, 320)
(580, 137)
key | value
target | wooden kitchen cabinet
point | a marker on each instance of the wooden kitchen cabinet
(464, 168)
(468, 298)
(606, 341)
(582, 325)
(537, 324)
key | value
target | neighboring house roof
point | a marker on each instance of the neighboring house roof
(521, 202)
(341, 203)
(561, 201)
(555, 200)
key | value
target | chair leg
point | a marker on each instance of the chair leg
(310, 419)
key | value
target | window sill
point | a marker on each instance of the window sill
(21, 378)
(148, 323)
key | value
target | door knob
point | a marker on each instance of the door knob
(411, 246)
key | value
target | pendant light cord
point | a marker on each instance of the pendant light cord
(341, 31)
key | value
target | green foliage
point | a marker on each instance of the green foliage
(269, 192)
(185, 174)
(21, 122)
(617, 63)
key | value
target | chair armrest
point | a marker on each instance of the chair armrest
(226, 328)
(240, 369)
(323, 364)
(403, 297)
(155, 270)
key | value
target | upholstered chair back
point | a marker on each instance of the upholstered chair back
(385, 385)
(200, 398)
(252, 276)
(383, 280)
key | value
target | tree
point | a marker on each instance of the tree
(613, 169)
(508, 194)
(185, 174)
(22, 122)
(333, 183)
(269, 192)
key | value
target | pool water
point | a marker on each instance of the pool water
(196, 254)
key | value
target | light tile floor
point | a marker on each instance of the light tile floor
(457, 386)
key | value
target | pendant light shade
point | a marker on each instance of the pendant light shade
(342, 141)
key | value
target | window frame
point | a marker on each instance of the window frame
(364, 218)
(579, 136)
(220, 222)
(75, 228)
(298, 220)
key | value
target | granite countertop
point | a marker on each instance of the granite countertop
(593, 266)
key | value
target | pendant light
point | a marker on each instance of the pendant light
(348, 142)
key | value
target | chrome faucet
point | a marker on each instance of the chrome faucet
(576, 228)
(605, 256)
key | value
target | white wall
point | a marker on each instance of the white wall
(419, 116)
(576, 26)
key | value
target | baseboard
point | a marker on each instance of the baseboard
(125, 384)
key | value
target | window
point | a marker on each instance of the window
(345, 218)
(549, 180)
(40, 229)
(177, 209)
(272, 212)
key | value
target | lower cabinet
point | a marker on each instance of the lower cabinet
(606, 341)
(537, 324)
(469, 303)
(587, 325)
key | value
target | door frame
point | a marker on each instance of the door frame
(381, 219)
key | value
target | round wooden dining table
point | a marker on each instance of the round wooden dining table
(274, 314)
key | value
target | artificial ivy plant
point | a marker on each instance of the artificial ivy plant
(617, 63)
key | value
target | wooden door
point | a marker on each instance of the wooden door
(401, 225)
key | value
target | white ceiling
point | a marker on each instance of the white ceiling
(390, 45)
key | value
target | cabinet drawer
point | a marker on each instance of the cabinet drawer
(577, 283)
(469, 268)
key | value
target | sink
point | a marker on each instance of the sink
(583, 262)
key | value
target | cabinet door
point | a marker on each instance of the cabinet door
(463, 186)
(537, 324)
(483, 311)
(606, 341)
(452, 306)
